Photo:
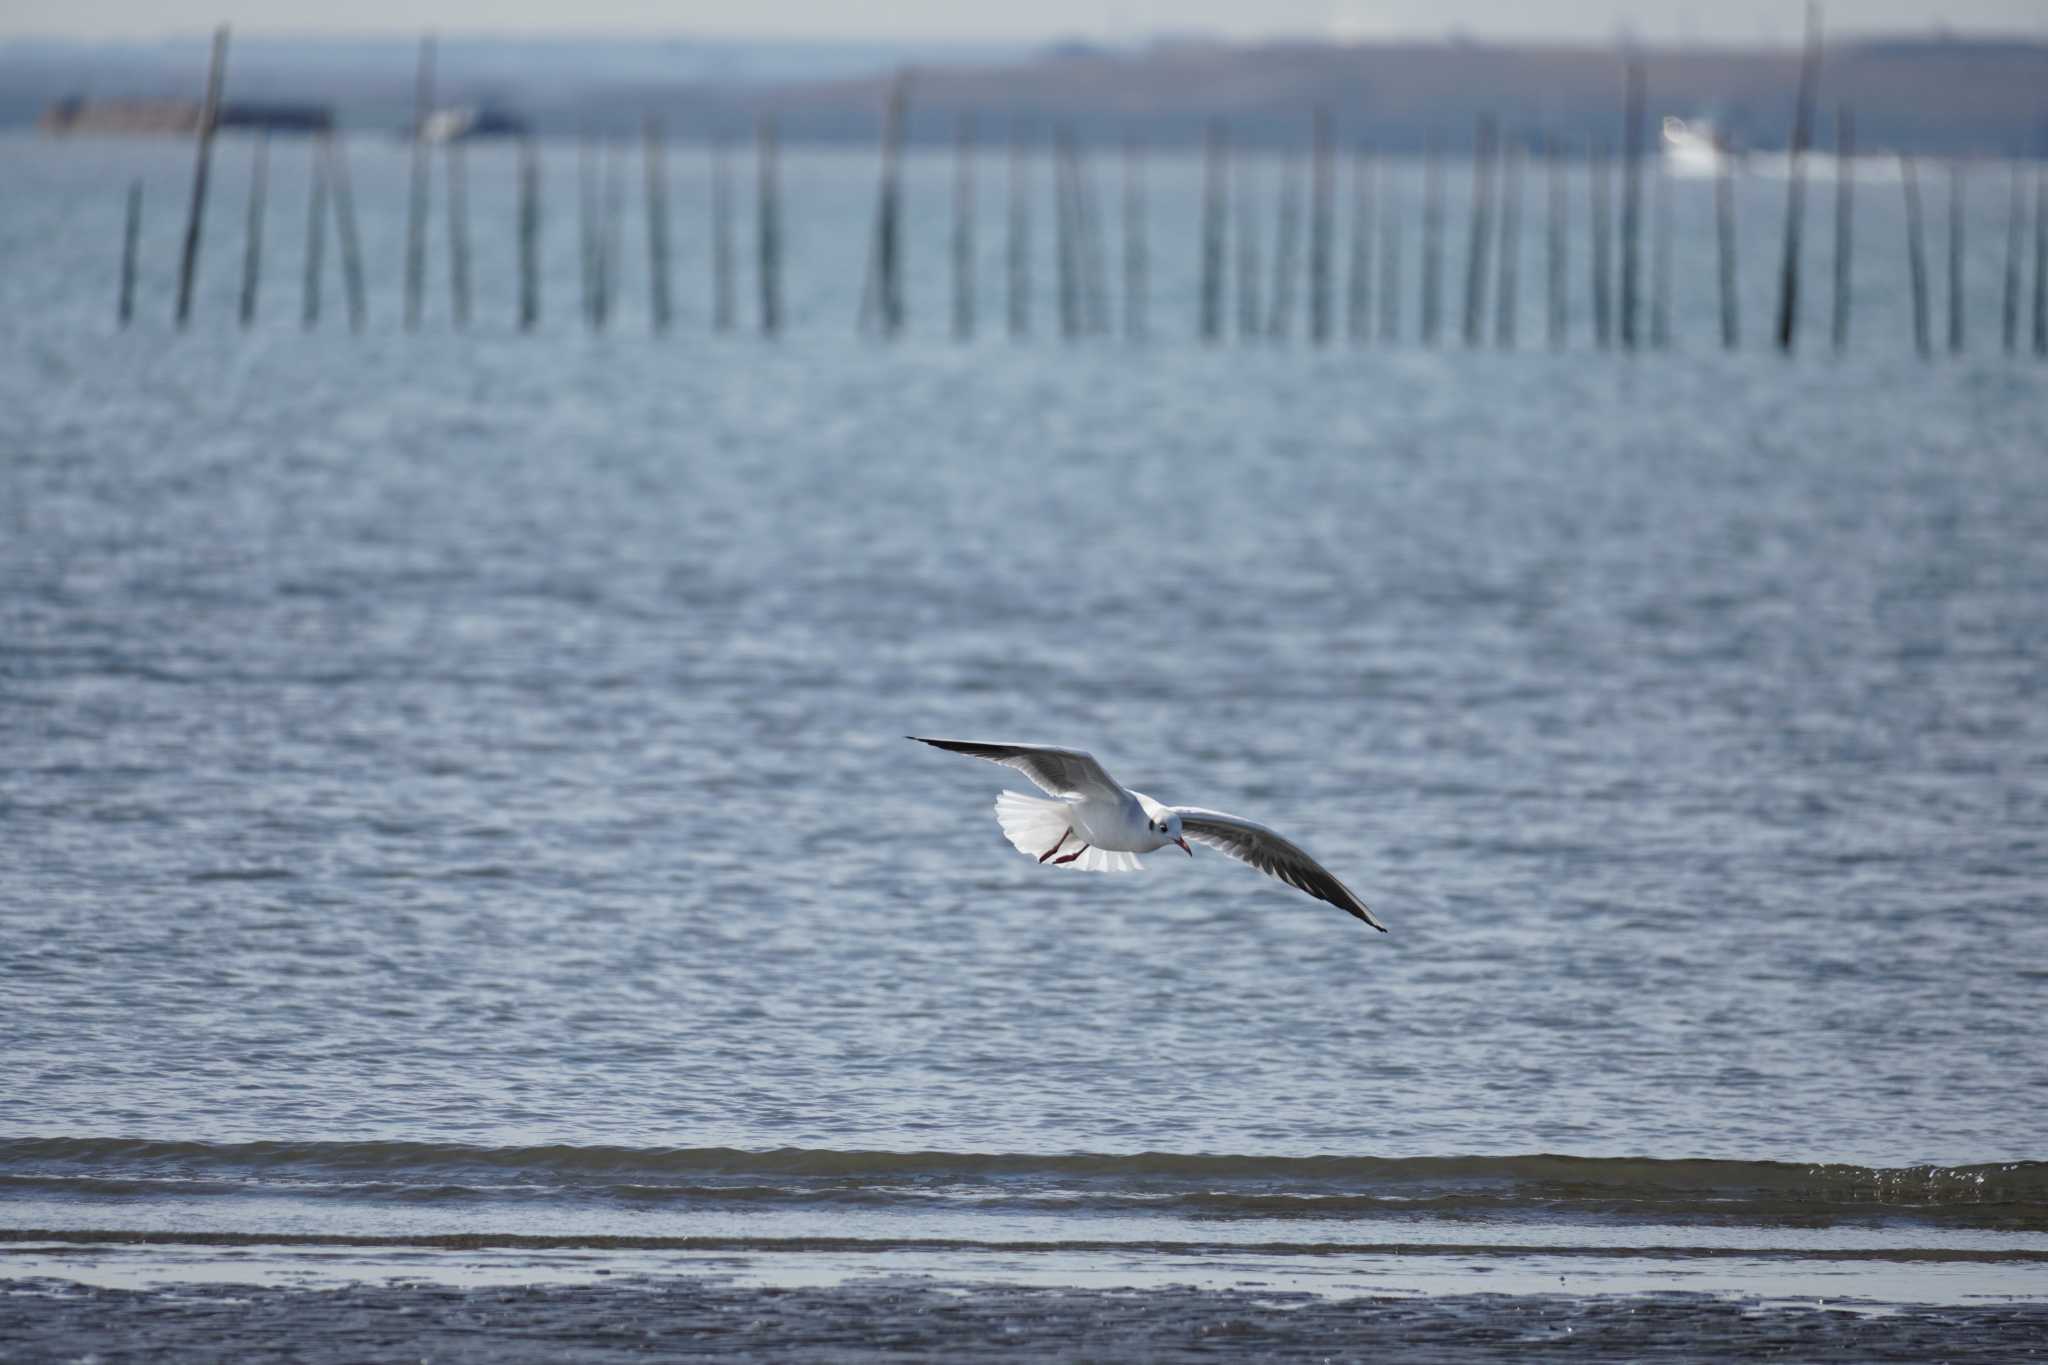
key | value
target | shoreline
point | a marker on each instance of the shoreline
(1882, 1277)
(911, 1318)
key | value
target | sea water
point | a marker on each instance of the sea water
(452, 783)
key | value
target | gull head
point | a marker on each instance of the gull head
(1165, 828)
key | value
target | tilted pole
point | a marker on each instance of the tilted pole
(1795, 185)
(209, 119)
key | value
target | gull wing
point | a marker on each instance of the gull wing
(1057, 772)
(1248, 841)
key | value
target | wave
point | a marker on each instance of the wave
(2012, 1195)
(818, 1161)
(585, 1241)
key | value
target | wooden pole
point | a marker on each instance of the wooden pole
(1558, 227)
(2014, 231)
(611, 214)
(1485, 146)
(607, 230)
(1631, 200)
(1845, 200)
(963, 230)
(893, 308)
(1215, 169)
(1660, 257)
(1136, 264)
(1079, 306)
(724, 296)
(1094, 269)
(1955, 257)
(252, 233)
(1795, 185)
(601, 264)
(1018, 247)
(131, 235)
(1916, 256)
(1074, 209)
(603, 236)
(458, 233)
(1603, 250)
(2040, 261)
(1286, 250)
(1509, 291)
(882, 302)
(209, 119)
(613, 258)
(1322, 195)
(1358, 293)
(1724, 233)
(416, 204)
(586, 227)
(768, 222)
(1248, 311)
(1063, 262)
(345, 230)
(1432, 242)
(655, 169)
(1390, 268)
(529, 235)
(1067, 249)
(316, 239)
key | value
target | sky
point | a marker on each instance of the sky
(1740, 21)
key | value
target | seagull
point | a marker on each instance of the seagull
(1110, 825)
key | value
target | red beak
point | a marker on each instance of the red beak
(1184, 846)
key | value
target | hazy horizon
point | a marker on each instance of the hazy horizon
(924, 21)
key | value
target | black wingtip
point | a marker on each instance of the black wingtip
(1364, 916)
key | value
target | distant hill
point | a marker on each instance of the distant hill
(1936, 95)
(1923, 95)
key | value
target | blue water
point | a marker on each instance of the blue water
(496, 741)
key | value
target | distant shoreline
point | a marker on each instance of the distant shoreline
(1938, 95)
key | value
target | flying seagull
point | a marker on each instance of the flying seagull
(1109, 825)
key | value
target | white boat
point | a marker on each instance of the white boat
(447, 125)
(1691, 149)
(459, 123)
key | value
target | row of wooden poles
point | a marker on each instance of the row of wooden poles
(1082, 292)
(600, 220)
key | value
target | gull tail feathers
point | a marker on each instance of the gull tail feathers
(1034, 825)
(1105, 860)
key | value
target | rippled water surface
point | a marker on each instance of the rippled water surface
(486, 740)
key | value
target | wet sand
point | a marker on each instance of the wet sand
(897, 1320)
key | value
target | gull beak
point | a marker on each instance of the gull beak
(1184, 847)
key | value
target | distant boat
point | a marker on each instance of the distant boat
(1691, 149)
(463, 122)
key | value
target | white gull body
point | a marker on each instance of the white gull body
(1094, 824)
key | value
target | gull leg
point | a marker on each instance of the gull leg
(1065, 835)
(1071, 856)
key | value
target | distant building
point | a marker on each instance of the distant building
(176, 118)
(75, 114)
